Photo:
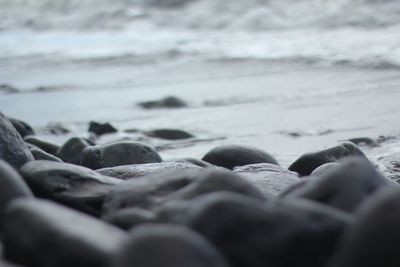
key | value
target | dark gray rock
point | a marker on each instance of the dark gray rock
(130, 217)
(22, 127)
(169, 134)
(249, 232)
(101, 128)
(44, 145)
(138, 170)
(345, 186)
(39, 154)
(12, 186)
(12, 148)
(72, 185)
(231, 156)
(324, 168)
(167, 245)
(167, 102)
(307, 163)
(118, 154)
(269, 178)
(42, 233)
(363, 141)
(57, 128)
(71, 151)
(374, 240)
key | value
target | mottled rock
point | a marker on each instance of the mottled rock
(169, 134)
(39, 154)
(44, 145)
(12, 148)
(22, 127)
(231, 156)
(130, 217)
(118, 154)
(42, 233)
(71, 151)
(167, 245)
(72, 185)
(345, 186)
(269, 178)
(374, 240)
(307, 163)
(167, 102)
(101, 128)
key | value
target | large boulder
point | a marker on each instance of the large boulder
(118, 154)
(42, 233)
(12, 148)
(231, 156)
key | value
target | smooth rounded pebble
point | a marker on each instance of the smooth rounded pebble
(231, 156)
(166, 245)
(22, 127)
(45, 145)
(39, 154)
(130, 217)
(71, 151)
(169, 134)
(101, 128)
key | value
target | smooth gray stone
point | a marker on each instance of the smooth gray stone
(167, 102)
(72, 185)
(250, 232)
(375, 239)
(42, 233)
(101, 128)
(22, 127)
(137, 170)
(197, 162)
(12, 186)
(47, 146)
(167, 245)
(39, 154)
(307, 163)
(271, 179)
(118, 154)
(12, 148)
(130, 217)
(231, 156)
(169, 134)
(324, 168)
(345, 186)
(71, 151)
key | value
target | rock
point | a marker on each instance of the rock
(74, 186)
(269, 178)
(167, 102)
(374, 239)
(197, 162)
(101, 128)
(249, 232)
(345, 186)
(22, 127)
(117, 154)
(12, 186)
(132, 171)
(324, 168)
(57, 128)
(71, 151)
(42, 233)
(307, 163)
(8, 89)
(230, 156)
(43, 144)
(130, 217)
(7, 264)
(12, 148)
(167, 245)
(39, 154)
(169, 134)
(363, 141)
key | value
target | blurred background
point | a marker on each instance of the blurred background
(284, 75)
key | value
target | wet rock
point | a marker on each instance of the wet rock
(12, 186)
(230, 156)
(101, 128)
(345, 186)
(307, 163)
(57, 128)
(324, 168)
(71, 151)
(8, 89)
(118, 154)
(166, 245)
(42, 233)
(12, 148)
(138, 170)
(74, 186)
(363, 141)
(169, 134)
(22, 127)
(47, 146)
(249, 232)
(130, 217)
(167, 102)
(197, 162)
(39, 154)
(374, 239)
(269, 178)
